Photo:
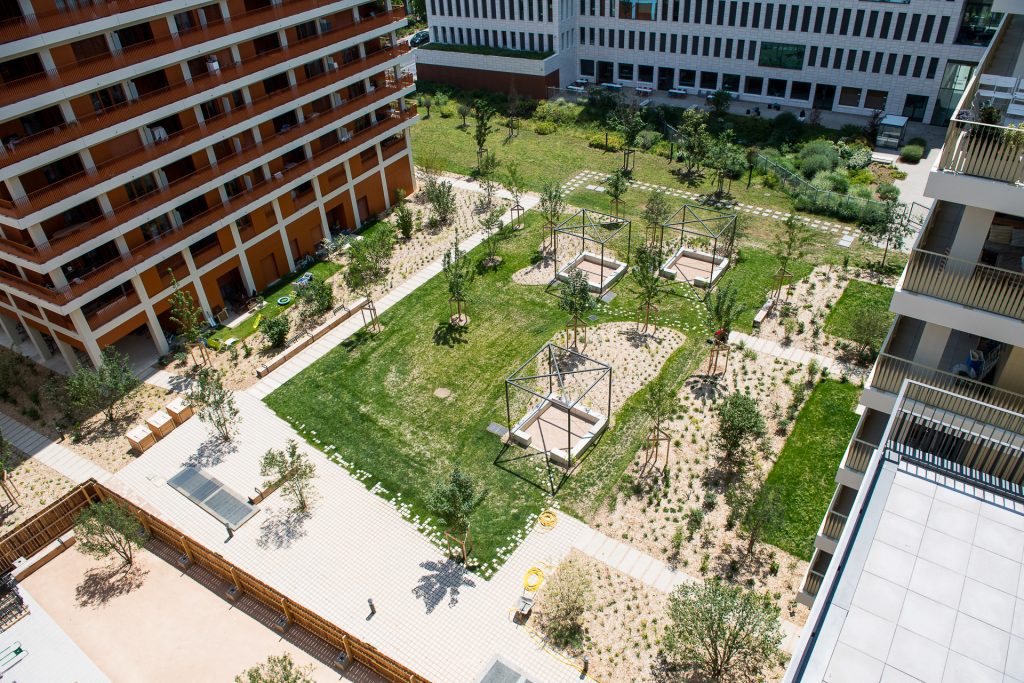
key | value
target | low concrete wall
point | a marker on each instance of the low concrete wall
(289, 353)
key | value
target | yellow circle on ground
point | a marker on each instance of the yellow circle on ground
(534, 577)
(548, 519)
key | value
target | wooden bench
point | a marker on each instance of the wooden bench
(762, 314)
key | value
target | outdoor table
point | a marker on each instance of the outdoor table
(141, 438)
(180, 410)
(160, 423)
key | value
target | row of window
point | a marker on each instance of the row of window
(735, 83)
(523, 10)
(884, 25)
(509, 40)
(773, 55)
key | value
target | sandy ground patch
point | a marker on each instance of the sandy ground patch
(654, 503)
(34, 486)
(158, 624)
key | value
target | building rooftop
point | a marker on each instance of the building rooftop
(930, 590)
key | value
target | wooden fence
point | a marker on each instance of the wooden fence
(58, 518)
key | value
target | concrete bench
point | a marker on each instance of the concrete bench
(762, 314)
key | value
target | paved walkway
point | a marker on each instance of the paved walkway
(53, 455)
(588, 180)
(790, 353)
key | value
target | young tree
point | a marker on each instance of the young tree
(719, 102)
(315, 299)
(792, 244)
(189, 319)
(214, 403)
(647, 281)
(740, 424)
(426, 101)
(275, 330)
(105, 529)
(576, 300)
(404, 221)
(617, 186)
(725, 160)
(494, 230)
(722, 632)
(441, 196)
(515, 183)
(660, 404)
(487, 172)
(552, 203)
(102, 389)
(694, 140)
(482, 115)
(765, 512)
(277, 669)
(868, 327)
(891, 227)
(630, 122)
(567, 595)
(455, 499)
(722, 309)
(464, 111)
(655, 214)
(292, 470)
(368, 265)
(460, 274)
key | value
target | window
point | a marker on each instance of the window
(849, 97)
(753, 85)
(731, 82)
(709, 80)
(782, 56)
(777, 87)
(687, 78)
(646, 73)
(625, 72)
(875, 99)
(586, 67)
(801, 91)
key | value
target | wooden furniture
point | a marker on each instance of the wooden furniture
(180, 410)
(141, 438)
(160, 423)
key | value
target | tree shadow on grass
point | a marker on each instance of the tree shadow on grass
(441, 579)
(102, 584)
(210, 452)
(281, 528)
(450, 335)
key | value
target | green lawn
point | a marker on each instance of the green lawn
(321, 270)
(371, 401)
(804, 475)
(857, 296)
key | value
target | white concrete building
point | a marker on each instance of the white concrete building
(909, 57)
(916, 573)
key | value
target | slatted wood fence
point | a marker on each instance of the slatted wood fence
(58, 518)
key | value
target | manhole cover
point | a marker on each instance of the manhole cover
(441, 392)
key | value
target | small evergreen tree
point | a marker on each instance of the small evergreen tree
(403, 215)
(694, 140)
(102, 389)
(105, 529)
(315, 299)
(567, 595)
(463, 111)
(494, 230)
(487, 172)
(740, 424)
(722, 308)
(292, 469)
(275, 330)
(483, 113)
(454, 499)
(214, 403)
(617, 186)
(647, 281)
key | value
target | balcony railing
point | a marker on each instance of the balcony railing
(858, 455)
(103, 315)
(80, 182)
(62, 77)
(100, 226)
(983, 150)
(41, 22)
(812, 584)
(72, 132)
(890, 372)
(977, 285)
(833, 525)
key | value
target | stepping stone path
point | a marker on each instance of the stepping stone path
(588, 180)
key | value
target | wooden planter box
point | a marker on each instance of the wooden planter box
(180, 410)
(141, 438)
(161, 424)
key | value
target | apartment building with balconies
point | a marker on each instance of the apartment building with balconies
(908, 57)
(212, 143)
(917, 564)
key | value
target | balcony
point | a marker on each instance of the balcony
(815, 577)
(226, 168)
(890, 372)
(101, 316)
(976, 285)
(858, 455)
(137, 55)
(832, 526)
(42, 22)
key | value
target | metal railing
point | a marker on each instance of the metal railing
(984, 150)
(968, 283)
(833, 525)
(797, 184)
(890, 372)
(858, 455)
(812, 584)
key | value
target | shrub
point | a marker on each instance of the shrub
(861, 176)
(614, 142)
(859, 157)
(276, 329)
(912, 153)
(920, 142)
(447, 111)
(813, 164)
(840, 182)
(567, 596)
(557, 111)
(545, 128)
(888, 193)
(819, 147)
(648, 139)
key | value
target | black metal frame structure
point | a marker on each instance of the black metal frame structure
(595, 227)
(719, 228)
